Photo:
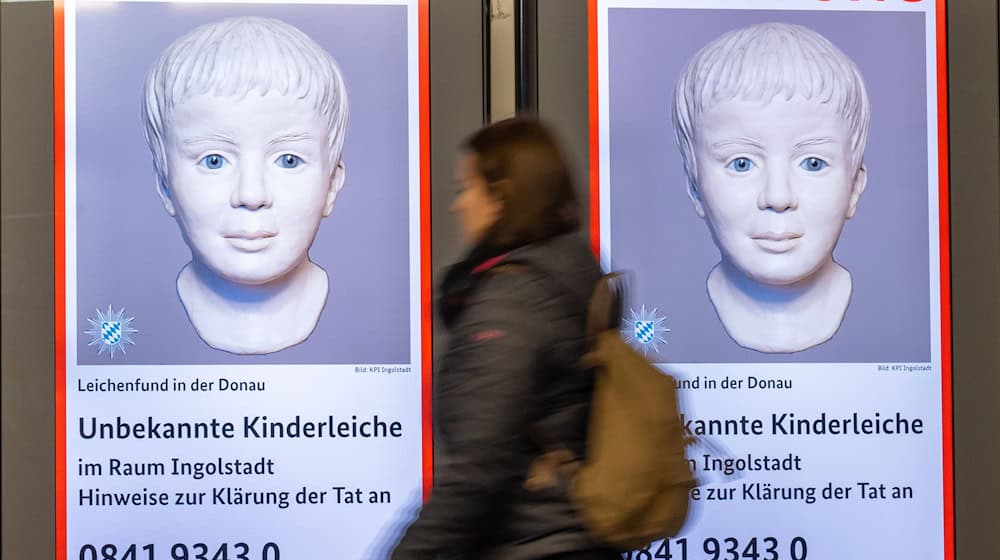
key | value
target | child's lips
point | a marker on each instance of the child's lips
(777, 236)
(251, 241)
(250, 235)
(777, 241)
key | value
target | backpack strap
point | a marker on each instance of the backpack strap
(604, 312)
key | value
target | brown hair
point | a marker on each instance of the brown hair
(525, 169)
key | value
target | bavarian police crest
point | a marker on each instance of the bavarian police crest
(111, 331)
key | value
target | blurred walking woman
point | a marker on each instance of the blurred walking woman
(509, 387)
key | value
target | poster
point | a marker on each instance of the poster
(773, 175)
(242, 277)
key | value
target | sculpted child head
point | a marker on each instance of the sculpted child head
(772, 123)
(237, 56)
(245, 119)
(759, 63)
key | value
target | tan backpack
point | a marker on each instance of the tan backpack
(634, 487)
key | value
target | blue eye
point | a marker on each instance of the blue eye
(213, 161)
(288, 161)
(740, 165)
(813, 164)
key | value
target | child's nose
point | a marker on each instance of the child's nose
(252, 191)
(778, 194)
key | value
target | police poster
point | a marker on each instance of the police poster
(773, 175)
(242, 278)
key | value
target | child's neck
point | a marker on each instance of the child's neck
(247, 319)
(780, 318)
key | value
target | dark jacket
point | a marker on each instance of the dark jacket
(508, 388)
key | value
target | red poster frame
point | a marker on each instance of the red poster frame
(426, 288)
(944, 233)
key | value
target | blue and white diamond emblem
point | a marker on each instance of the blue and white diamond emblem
(110, 331)
(645, 330)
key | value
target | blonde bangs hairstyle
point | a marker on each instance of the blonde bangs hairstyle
(759, 62)
(234, 57)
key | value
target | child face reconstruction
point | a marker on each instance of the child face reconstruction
(250, 180)
(245, 119)
(772, 122)
(775, 184)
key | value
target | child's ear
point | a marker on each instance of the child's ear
(857, 187)
(164, 191)
(336, 183)
(695, 197)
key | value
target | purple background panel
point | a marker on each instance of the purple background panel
(130, 251)
(656, 234)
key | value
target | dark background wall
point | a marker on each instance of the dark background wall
(562, 83)
(26, 208)
(975, 229)
(27, 368)
(456, 109)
